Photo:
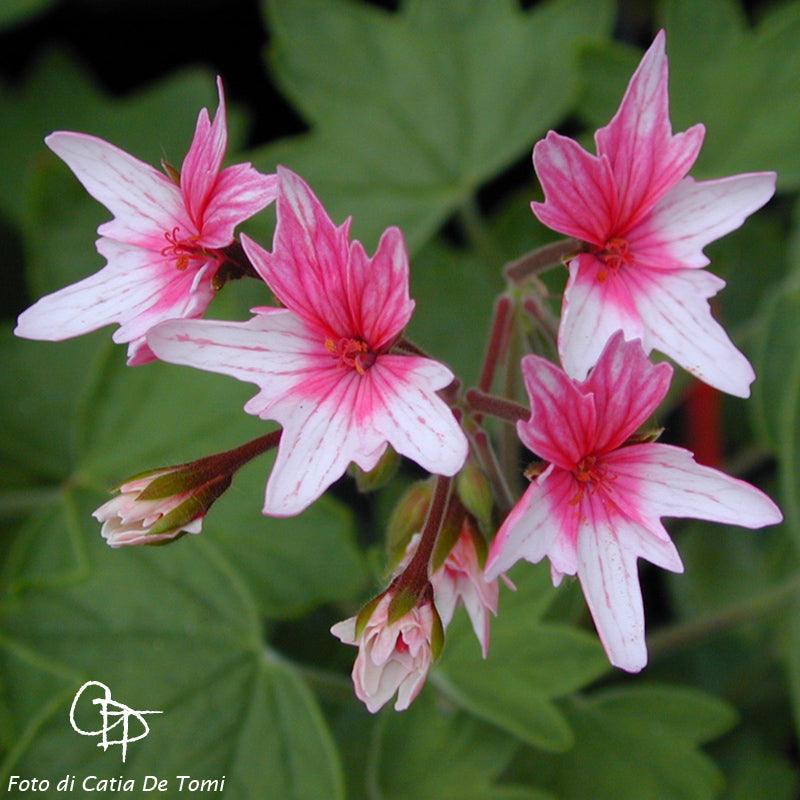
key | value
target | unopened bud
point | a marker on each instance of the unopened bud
(159, 507)
(408, 518)
(379, 475)
(475, 493)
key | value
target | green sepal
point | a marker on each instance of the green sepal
(407, 518)
(365, 614)
(475, 493)
(646, 436)
(379, 475)
(173, 174)
(178, 481)
(403, 602)
(448, 533)
(437, 634)
(194, 506)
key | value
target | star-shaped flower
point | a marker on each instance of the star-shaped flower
(165, 243)
(323, 363)
(645, 225)
(597, 508)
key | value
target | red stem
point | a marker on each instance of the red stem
(497, 341)
(541, 259)
(495, 406)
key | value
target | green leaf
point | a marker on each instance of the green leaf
(635, 743)
(172, 630)
(777, 397)
(12, 12)
(723, 74)
(424, 105)
(293, 564)
(433, 752)
(531, 664)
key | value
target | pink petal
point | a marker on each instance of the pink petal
(400, 400)
(580, 195)
(627, 388)
(665, 481)
(646, 159)
(677, 318)
(561, 428)
(693, 214)
(377, 289)
(608, 575)
(145, 203)
(543, 516)
(593, 310)
(239, 193)
(307, 269)
(204, 159)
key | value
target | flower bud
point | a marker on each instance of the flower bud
(379, 475)
(408, 518)
(159, 506)
(392, 657)
(475, 493)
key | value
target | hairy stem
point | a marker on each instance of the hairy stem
(498, 339)
(541, 259)
(495, 406)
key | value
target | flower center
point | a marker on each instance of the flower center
(351, 353)
(614, 255)
(590, 474)
(184, 250)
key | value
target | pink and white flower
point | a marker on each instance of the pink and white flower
(165, 243)
(392, 657)
(323, 363)
(461, 579)
(597, 507)
(645, 224)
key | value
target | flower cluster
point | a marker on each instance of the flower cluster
(334, 370)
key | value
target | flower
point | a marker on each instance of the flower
(461, 578)
(152, 509)
(165, 244)
(323, 363)
(392, 657)
(645, 226)
(598, 505)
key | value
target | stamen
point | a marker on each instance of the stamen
(352, 353)
(591, 475)
(614, 255)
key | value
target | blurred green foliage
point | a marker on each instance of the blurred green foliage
(411, 114)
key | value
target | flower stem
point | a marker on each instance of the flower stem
(540, 260)
(495, 406)
(541, 313)
(676, 637)
(415, 575)
(498, 339)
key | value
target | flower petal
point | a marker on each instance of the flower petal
(596, 305)
(627, 388)
(377, 289)
(646, 159)
(543, 516)
(402, 407)
(307, 269)
(610, 581)
(204, 159)
(580, 195)
(239, 193)
(145, 203)
(561, 427)
(664, 481)
(693, 214)
(674, 308)
(137, 289)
